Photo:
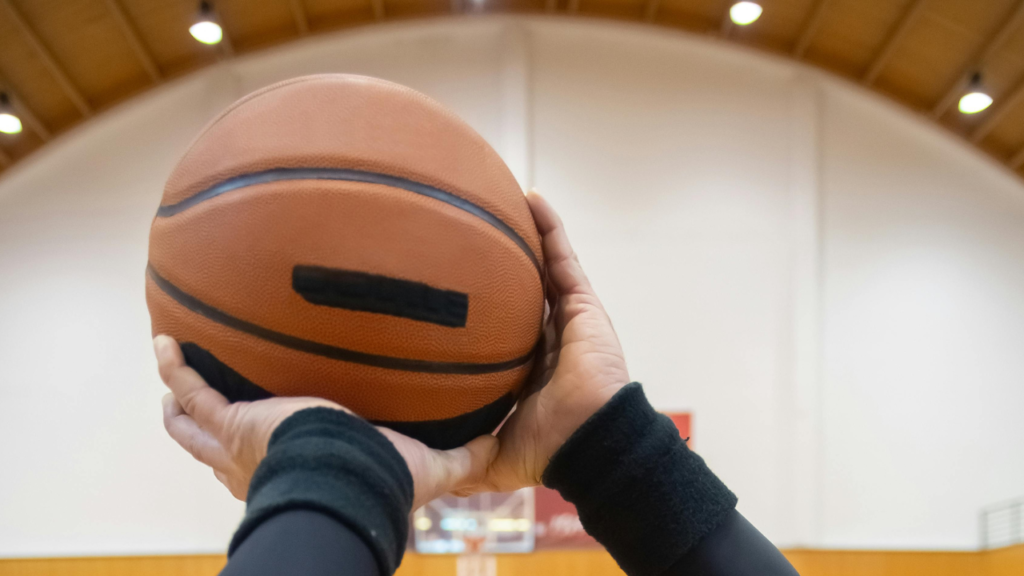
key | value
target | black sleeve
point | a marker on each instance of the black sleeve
(734, 548)
(652, 503)
(331, 487)
(302, 542)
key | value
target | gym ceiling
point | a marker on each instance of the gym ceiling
(63, 61)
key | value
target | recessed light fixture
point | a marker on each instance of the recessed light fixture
(744, 13)
(206, 29)
(975, 100)
(9, 122)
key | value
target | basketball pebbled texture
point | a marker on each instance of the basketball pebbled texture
(349, 238)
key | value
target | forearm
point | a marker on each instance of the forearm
(330, 474)
(652, 502)
(733, 548)
(302, 542)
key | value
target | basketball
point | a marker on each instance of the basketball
(349, 238)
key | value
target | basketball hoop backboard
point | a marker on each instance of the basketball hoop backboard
(491, 523)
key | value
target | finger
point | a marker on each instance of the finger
(203, 403)
(190, 436)
(461, 469)
(564, 271)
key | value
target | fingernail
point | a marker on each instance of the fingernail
(158, 345)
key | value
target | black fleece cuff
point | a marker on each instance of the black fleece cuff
(639, 490)
(340, 465)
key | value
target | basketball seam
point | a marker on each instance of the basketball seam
(350, 175)
(326, 350)
(338, 77)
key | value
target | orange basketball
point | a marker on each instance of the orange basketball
(349, 238)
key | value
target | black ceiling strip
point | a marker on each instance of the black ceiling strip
(344, 174)
(325, 350)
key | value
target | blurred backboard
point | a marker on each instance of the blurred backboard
(490, 523)
(498, 523)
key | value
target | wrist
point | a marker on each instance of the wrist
(335, 463)
(638, 489)
(577, 410)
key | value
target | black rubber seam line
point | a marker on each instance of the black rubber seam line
(335, 353)
(349, 175)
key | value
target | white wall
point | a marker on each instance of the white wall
(832, 286)
(924, 332)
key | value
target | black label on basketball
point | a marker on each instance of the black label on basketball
(380, 294)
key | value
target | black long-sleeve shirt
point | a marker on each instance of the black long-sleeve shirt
(332, 498)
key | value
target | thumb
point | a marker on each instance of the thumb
(460, 469)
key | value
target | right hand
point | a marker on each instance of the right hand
(232, 438)
(581, 368)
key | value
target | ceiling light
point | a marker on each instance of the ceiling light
(743, 13)
(206, 29)
(976, 99)
(9, 122)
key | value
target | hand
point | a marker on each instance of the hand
(582, 368)
(232, 438)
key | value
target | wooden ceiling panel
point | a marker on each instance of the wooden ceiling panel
(969, 16)
(22, 68)
(989, 38)
(1007, 136)
(835, 63)
(16, 147)
(520, 6)
(852, 32)
(675, 15)
(317, 9)
(1007, 65)
(918, 69)
(255, 23)
(333, 14)
(619, 9)
(698, 10)
(249, 17)
(779, 25)
(85, 41)
(163, 27)
(414, 8)
(914, 51)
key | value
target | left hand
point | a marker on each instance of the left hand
(232, 438)
(582, 368)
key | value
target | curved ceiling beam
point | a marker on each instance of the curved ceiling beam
(893, 41)
(132, 36)
(378, 9)
(810, 29)
(299, 15)
(651, 10)
(1018, 159)
(72, 91)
